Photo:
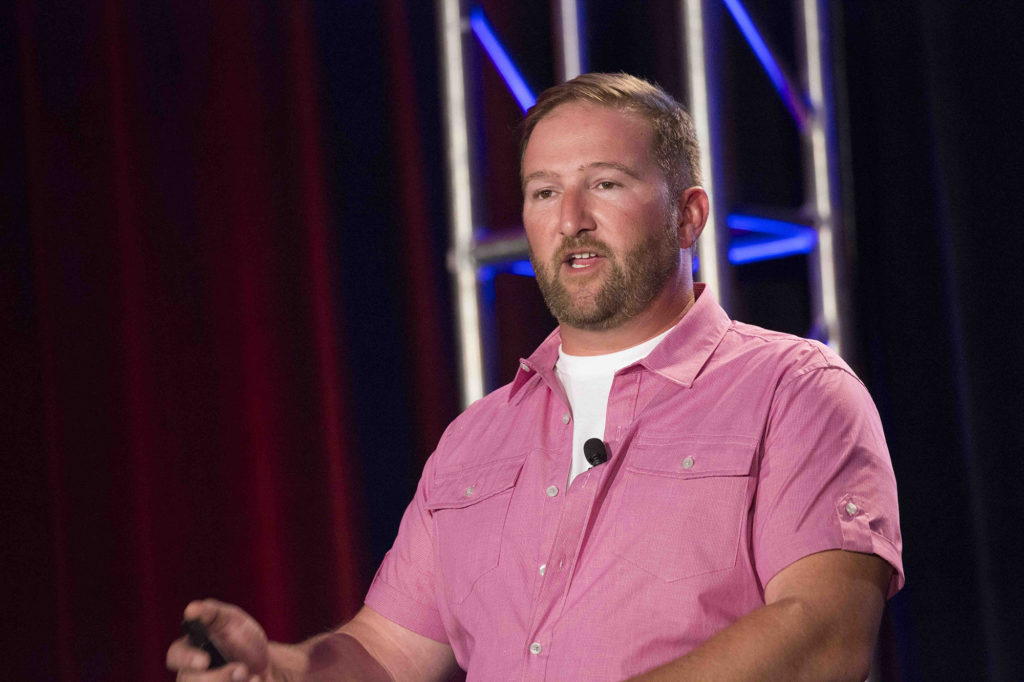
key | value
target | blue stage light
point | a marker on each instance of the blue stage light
(770, 239)
(516, 267)
(515, 81)
(523, 267)
(782, 85)
(750, 250)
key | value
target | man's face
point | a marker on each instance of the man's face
(596, 208)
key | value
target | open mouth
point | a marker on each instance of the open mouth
(581, 259)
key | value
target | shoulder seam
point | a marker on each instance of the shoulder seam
(769, 335)
(803, 371)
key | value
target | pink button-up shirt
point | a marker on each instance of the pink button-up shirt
(733, 452)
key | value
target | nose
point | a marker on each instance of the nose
(574, 214)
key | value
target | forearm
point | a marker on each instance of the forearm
(335, 656)
(369, 647)
(785, 641)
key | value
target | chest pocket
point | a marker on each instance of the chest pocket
(682, 505)
(469, 508)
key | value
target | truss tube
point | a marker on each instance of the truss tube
(452, 26)
(712, 244)
(830, 295)
(568, 39)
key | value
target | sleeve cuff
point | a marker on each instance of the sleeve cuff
(855, 522)
(854, 535)
(399, 608)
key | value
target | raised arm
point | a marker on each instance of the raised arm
(367, 648)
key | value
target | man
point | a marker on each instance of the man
(743, 523)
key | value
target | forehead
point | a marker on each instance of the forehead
(584, 133)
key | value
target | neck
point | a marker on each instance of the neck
(662, 314)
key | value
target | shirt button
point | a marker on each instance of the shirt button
(543, 567)
(469, 491)
(552, 490)
(535, 648)
(523, 366)
(851, 508)
(688, 463)
(565, 418)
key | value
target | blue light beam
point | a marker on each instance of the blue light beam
(515, 81)
(782, 84)
(770, 239)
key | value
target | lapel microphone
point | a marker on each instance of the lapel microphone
(595, 451)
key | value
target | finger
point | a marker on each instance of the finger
(235, 672)
(223, 622)
(183, 656)
(211, 612)
(234, 632)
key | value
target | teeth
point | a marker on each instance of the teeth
(579, 256)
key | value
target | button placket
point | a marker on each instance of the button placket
(555, 575)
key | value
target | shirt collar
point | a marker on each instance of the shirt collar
(540, 364)
(679, 357)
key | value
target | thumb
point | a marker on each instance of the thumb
(234, 632)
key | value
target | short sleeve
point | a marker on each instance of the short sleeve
(825, 478)
(403, 588)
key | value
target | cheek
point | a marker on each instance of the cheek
(538, 228)
(622, 224)
(540, 249)
(649, 219)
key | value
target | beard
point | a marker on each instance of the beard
(630, 284)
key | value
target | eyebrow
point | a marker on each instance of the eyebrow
(596, 164)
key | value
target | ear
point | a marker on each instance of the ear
(693, 207)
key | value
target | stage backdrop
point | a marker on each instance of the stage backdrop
(219, 222)
(227, 345)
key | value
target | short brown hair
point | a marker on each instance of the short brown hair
(675, 141)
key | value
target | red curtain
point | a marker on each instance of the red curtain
(432, 380)
(178, 424)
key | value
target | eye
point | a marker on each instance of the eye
(543, 194)
(607, 184)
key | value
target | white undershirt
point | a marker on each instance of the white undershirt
(588, 382)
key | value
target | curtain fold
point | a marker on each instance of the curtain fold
(195, 435)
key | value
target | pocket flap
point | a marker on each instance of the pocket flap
(463, 487)
(688, 457)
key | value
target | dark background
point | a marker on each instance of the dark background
(227, 339)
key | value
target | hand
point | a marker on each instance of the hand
(235, 633)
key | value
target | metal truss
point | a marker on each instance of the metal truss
(729, 240)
